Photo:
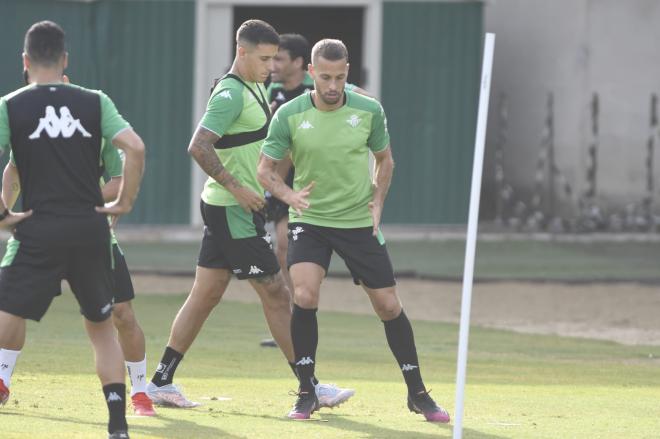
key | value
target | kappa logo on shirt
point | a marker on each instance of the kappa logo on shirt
(64, 124)
(280, 96)
(354, 121)
(225, 94)
(305, 125)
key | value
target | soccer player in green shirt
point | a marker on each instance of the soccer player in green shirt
(56, 133)
(334, 206)
(226, 145)
(130, 334)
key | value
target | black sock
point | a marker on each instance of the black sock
(295, 372)
(115, 397)
(293, 368)
(305, 337)
(166, 368)
(400, 337)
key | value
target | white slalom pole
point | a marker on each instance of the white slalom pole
(471, 242)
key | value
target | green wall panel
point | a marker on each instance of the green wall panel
(141, 54)
(431, 69)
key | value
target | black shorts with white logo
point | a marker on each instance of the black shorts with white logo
(31, 274)
(365, 255)
(237, 241)
(123, 289)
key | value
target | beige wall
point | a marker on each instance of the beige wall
(573, 48)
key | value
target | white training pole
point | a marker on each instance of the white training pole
(471, 242)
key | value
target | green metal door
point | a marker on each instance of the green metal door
(140, 53)
(431, 66)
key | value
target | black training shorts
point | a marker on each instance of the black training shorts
(123, 289)
(31, 274)
(365, 255)
(237, 241)
(276, 209)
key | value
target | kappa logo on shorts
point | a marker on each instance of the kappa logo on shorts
(237, 271)
(408, 367)
(255, 270)
(295, 232)
(114, 396)
(269, 240)
(304, 361)
(64, 124)
(106, 309)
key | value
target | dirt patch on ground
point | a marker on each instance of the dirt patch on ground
(623, 312)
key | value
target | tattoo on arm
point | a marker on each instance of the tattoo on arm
(201, 148)
(275, 184)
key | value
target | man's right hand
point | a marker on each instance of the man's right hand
(14, 218)
(248, 199)
(298, 200)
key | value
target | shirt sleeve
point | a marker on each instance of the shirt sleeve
(223, 109)
(112, 123)
(112, 161)
(379, 137)
(278, 141)
(4, 126)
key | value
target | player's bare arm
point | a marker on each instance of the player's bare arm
(110, 190)
(11, 187)
(202, 150)
(270, 178)
(133, 147)
(383, 169)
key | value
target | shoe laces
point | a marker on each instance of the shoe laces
(425, 399)
(303, 398)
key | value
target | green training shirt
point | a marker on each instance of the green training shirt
(330, 148)
(233, 109)
(112, 123)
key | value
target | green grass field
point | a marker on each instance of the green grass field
(504, 260)
(519, 386)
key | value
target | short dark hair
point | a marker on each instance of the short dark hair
(297, 46)
(44, 43)
(257, 32)
(332, 50)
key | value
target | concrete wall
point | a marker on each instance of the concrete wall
(574, 48)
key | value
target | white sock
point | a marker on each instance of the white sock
(7, 363)
(137, 372)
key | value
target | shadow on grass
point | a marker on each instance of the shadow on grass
(174, 428)
(343, 422)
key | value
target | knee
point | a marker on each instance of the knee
(306, 297)
(123, 316)
(388, 309)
